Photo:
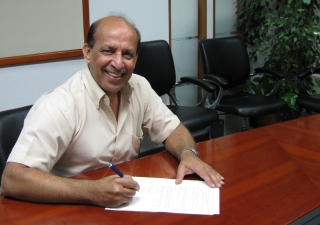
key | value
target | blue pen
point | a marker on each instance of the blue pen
(115, 169)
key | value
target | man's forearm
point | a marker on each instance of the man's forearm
(38, 186)
(180, 138)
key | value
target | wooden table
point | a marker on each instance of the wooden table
(271, 177)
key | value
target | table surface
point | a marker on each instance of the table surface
(271, 177)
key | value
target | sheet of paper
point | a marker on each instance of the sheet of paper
(163, 195)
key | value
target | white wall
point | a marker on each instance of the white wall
(210, 18)
(225, 18)
(22, 85)
(151, 17)
(184, 46)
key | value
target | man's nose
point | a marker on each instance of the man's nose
(118, 61)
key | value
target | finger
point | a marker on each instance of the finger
(213, 179)
(128, 193)
(180, 176)
(121, 201)
(129, 183)
(179, 180)
(137, 187)
(221, 178)
(181, 172)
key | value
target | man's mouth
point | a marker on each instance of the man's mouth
(116, 75)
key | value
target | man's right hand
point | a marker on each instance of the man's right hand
(114, 191)
(30, 184)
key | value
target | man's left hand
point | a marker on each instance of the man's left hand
(191, 164)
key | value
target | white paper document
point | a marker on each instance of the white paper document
(163, 195)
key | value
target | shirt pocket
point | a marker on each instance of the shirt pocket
(136, 141)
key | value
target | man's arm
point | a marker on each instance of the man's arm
(181, 138)
(30, 184)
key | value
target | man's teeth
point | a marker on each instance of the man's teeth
(115, 74)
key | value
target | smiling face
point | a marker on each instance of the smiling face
(113, 56)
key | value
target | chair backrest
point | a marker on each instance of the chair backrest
(226, 57)
(11, 123)
(155, 63)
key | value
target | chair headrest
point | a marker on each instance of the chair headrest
(155, 63)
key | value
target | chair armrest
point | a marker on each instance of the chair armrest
(206, 87)
(273, 72)
(221, 82)
(199, 82)
(307, 72)
(270, 72)
(304, 74)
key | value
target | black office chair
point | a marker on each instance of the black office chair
(306, 100)
(155, 63)
(226, 64)
(11, 123)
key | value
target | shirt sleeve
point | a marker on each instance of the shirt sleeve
(45, 136)
(158, 121)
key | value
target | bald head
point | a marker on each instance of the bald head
(110, 22)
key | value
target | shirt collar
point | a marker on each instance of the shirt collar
(95, 91)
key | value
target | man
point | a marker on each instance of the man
(97, 117)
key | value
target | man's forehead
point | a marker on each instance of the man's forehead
(115, 23)
(113, 37)
(113, 28)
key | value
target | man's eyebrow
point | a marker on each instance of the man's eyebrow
(130, 50)
(107, 46)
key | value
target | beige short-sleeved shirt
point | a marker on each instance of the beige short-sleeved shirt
(72, 129)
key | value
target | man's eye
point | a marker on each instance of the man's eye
(128, 55)
(106, 51)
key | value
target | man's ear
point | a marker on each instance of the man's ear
(135, 61)
(86, 52)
